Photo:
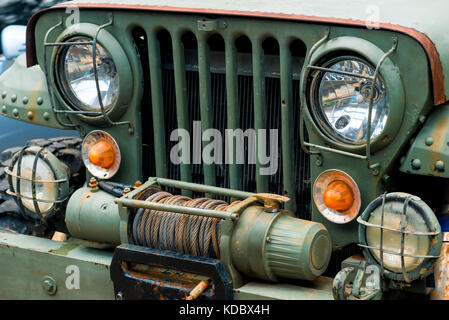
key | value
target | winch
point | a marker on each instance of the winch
(252, 235)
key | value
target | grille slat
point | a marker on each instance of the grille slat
(157, 105)
(260, 111)
(232, 109)
(287, 125)
(181, 102)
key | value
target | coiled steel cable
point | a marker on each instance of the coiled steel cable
(172, 231)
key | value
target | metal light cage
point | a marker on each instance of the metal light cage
(61, 180)
(426, 267)
(103, 114)
(305, 110)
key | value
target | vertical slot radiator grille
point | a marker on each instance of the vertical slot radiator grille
(188, 85)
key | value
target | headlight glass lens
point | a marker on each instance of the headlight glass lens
(77, 77)
(413, 244)
(44, 191)
(342, 101)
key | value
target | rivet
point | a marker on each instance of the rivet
(25, 100)
(30, 115)
(416, 164)
(422, 119)
(13, 98)
(4, 93)
(319, 161)
(39, 100)
(439, 165)
(46, 116)
(15, 112)
(429, 141)
(4, 109)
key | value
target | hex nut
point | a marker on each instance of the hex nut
(49, 285)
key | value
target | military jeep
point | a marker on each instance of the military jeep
(231, 150)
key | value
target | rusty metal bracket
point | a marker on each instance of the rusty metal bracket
(134, 273)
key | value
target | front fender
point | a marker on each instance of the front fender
(429, 153)
(24, 95)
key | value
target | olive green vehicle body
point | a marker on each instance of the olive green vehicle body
(418, 108)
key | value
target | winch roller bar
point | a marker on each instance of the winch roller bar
(203, 188)
(176, 209)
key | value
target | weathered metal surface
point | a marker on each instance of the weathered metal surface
(15, 86)
(26, 260)
(397, 16)
(429, 153)
(93, 215)
(273, 246)
(144, 273)
(319, 289)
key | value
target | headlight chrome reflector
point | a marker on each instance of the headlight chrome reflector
(340, 102)
(76, 75)
(101, 154)
(400, 233)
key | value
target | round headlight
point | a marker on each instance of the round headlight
(76, 75)
(101, 154)
(39, 181)
(340, 102)
(401, 233)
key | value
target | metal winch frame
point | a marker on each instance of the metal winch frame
(228, 218)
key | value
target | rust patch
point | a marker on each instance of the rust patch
(439, 93)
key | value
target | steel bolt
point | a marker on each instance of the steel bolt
(39, 100)
(126, 190)
(13, 98)
(119, 296)
(4, 93)
(416, 164)
(429, 141)
(30, 115)
(15, 112)
(4, 109)
(319, 161)
(25, 100)
(46, 116)
(93, 184)
(49, 285)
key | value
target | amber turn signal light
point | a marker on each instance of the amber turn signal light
(338, 196)
(102, 154)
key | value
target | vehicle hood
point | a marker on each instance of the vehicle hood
(426, 21)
